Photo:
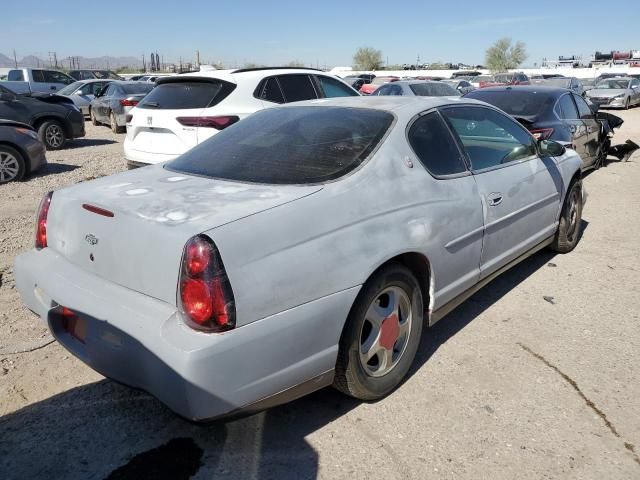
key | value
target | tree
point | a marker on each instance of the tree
(503, 55)
(367, 58)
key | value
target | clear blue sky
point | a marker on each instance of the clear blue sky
(327, 32)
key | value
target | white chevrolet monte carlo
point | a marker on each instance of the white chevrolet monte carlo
(305, 246)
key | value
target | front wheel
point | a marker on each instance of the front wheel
(627, 103)
(381, 336)
(12, 165)
(51, 133)
(568, 231)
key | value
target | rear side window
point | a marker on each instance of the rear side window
(334, 88)
(568, 109)
(186, 95)
(433, 90)
(435, 147)
(51, 76)
(583, 109)
(289, 146)
(16, 76)
(297, 87)
(38, 76)
(270, 91)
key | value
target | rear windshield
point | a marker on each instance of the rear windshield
(515, 102)
(289, 146)
(133, 88)
(433, 89)
(185, 95)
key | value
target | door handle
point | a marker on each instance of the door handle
(494, 199)
(53, 87)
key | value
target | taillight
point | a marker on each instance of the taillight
(205, 295)
(41, 222)
(542, 133)
(219, 123)
(125, 102)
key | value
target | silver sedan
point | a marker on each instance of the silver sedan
(619, 92)
(305, 246)
(83, 92)
(111, 105)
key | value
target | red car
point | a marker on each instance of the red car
(369, 88)
(505, 79)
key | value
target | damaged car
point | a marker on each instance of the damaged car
(55, 118)
(305, 246)
(561, 115)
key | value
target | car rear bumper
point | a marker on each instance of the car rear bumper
(137, 158)
(143, 342)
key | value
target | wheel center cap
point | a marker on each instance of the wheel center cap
(389, 331)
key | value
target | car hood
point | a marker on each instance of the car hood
(606, 92)
(145, 217)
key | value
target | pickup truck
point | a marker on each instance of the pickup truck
(30, 80)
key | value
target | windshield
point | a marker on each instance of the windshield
(133, 88)
(69, 89)
(433, 90)
(613, 84)
(289, 146)
(558, 82)
(515, 102)
(504, 78)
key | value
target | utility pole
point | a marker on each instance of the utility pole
(55, 59)
(197, 58)
(15, 60)
(144, 64)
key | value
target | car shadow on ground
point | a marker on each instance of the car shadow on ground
(106, 430)
(54, 169)
(89, 142)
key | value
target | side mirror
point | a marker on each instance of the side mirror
(81, 92)
(549, 148)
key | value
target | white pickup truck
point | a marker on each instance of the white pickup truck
(29, 80)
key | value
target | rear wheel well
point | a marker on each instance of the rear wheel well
(420, 267)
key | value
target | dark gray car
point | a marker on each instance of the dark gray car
(21, 153)
(111, 105)
(83, 92)
(419, 88)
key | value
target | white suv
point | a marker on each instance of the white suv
(185, 110)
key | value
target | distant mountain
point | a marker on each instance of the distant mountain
(106, 62)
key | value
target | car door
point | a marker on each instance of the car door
(635, 91)
(103, 103)
(448, 196)
(592, 128)
(520, 192)
(573, 126)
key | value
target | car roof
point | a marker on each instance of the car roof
(407, 105)
(230, 75)
(414, 82)
(94, 80)
(551, 91)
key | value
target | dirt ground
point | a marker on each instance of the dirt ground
(536, 376)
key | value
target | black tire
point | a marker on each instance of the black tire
(52, 134)
(351, 376)
(568, 231)
(113, 123)
(94, 120)
(627, 104)
(12, 165)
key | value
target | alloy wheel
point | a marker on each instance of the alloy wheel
(572, 215)
(385, 331)
(54, 136)
(9, 167)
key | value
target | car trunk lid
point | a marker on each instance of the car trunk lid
(131, 228)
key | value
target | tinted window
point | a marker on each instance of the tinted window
(16, 76)
(297, 87)
(583, 108)
(489, 137)
(270, 91)
(51, 76)
(37, 76)
(111, 90)
(333, 88)
(433, 90)
(289, 146)
(94, 87)
(185, 95)
(435, 147)
(69, 89)
(516, 102)
(567, 108)
(136, 88)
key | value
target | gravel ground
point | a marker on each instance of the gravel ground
(510, 385)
